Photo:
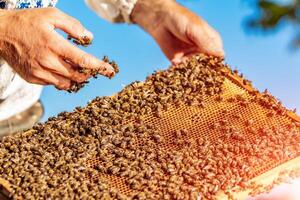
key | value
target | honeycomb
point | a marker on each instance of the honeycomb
(199, 122)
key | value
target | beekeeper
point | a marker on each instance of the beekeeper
(34, 54)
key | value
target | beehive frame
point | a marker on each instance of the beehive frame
(189, 118)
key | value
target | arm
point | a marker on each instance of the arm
(32, 47)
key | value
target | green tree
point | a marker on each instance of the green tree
(272, 15)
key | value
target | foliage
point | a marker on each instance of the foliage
(273, 15)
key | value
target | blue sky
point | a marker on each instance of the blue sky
(264, 59)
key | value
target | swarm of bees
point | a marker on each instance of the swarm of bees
(52, 160)
(85, 41)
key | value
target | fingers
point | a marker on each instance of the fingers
(184, 55)
(215, 44)
(71, 26)
(193, 30)
(207, 39)
(69, 52)
(79, 58)
(174, 48)
(50, 78)
(37, 81)
(65, 69)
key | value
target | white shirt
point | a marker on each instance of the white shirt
(16, 95)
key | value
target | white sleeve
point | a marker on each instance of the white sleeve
(16, 95)
(113, 10)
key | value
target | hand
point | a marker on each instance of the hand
(32, 47)
(178, 31)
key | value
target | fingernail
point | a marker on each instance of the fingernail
(111, 75)
(108, 74)
(109, 68)
(88, 34)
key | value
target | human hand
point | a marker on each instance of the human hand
(32, 47)
(178, 31)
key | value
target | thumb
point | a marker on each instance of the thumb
(207, 39)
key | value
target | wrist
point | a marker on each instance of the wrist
(149, 14)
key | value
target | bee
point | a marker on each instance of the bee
(270, 114)
(157, 138)
(237, 116)
(113, 170)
